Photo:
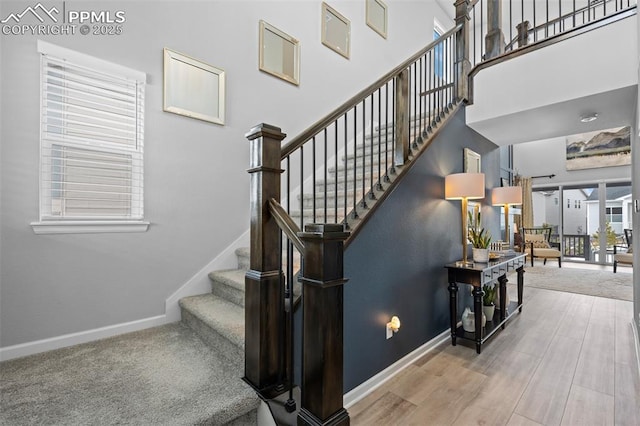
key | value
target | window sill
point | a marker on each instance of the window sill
(88, 227)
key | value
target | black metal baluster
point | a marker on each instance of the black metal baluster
(325, 167)
(412, 105)
(574, 13)
(313, 169)
(379, 184)
(511, 24)
(546, 26)
(335, 186)
(290, 404)
(386, 133)
(535, 32)
(393, 116)
(440, 75)
(447, 65)
(355, 160)
(301, 187)
(364, 153)
(429, 90)
(346, 170)
(561, 21)
(420, 90)
(372, 196)
(481, 31)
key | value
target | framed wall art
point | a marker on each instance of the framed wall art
(279, 53)
(193, 88)
(602, 148)
(377, 16)
(336, 31)
(472, 161)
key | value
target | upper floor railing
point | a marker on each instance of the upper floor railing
(500, 26)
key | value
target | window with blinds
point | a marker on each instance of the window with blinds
(91, 138)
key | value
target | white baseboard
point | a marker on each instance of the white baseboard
(361, 391)
(30, 348)
(200, 283)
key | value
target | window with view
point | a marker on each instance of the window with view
(91, 139)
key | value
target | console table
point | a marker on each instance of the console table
(478, 274)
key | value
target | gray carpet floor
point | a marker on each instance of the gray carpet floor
(161, 376)
(583, 281)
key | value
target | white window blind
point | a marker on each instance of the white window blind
(91, 138)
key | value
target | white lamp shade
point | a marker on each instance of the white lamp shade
(506, 195)
(464, 185)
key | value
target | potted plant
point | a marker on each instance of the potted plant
(489, 300)
(479, 238)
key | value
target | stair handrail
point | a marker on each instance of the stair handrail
(318, 126)
(286, 224)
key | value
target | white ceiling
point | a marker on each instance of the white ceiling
(615, 108)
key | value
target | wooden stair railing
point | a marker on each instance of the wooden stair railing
(335, 174)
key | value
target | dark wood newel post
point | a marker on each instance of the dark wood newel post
(264, 310)
(494, 40)
(463, 65)
(323, 311)
(523, 33)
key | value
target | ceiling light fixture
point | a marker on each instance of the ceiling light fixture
(587, 118)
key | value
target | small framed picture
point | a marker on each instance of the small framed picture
(472, 161)
(279, 53)
(377, 16)
(336, 31)
(193, 88)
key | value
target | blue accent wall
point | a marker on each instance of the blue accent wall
(395, 264)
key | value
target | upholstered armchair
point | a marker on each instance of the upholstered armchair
(537, 245)
(623, 255)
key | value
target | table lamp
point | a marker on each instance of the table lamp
(503, 196)
(464, 186)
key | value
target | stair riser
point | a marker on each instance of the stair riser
(227, 292)
(231, 352)
(347, 181)
(331, 204)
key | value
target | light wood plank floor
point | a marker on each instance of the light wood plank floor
(568, 359)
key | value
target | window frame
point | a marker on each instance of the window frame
(49, 223)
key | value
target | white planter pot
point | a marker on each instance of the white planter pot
(480, 255)
(488, 311)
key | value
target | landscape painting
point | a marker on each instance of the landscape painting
(603, 148)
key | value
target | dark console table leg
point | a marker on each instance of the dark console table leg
(453, 310)
(502, 283)
(520, 271)
(477, 307)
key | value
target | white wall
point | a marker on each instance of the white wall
(196, 184)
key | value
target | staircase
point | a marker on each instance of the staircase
(354, 167)
(218, 317)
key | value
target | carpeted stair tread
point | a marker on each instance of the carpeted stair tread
(221, 316)
(229, 285)
(160, 376)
